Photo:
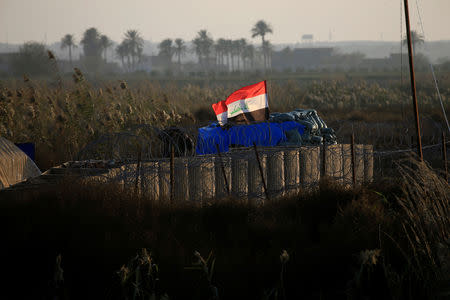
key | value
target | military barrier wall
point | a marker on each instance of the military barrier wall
(273, 173)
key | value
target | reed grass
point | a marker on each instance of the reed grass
(383, 241)
(62, 116)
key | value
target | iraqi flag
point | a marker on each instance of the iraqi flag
(220, 108)
(246, 105)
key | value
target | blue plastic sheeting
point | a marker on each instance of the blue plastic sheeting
(262, 134)
(28, 148)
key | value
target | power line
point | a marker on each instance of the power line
(432, 70)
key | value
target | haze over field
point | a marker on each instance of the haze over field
(48, 20)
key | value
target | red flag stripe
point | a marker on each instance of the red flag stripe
(220, 107)
(247, 92)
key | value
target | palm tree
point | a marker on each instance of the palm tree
(207, 43)
(202, 46)
(261, 28)
(267, 51)
(221, 51)
(416, 39)
(249, 55)
(135, 43)
(179, 50)
(241, 44)
(92, 50)
(217, 52)
(106, 43)
(122, 52)
(229, 53)
(197, 48)
(166, 49)
(68, 41)
(91, 43)
(234, 53)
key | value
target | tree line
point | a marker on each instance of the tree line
(222, 54)
(225, 54)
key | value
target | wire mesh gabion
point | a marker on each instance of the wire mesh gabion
(147, 141)
(141, 161)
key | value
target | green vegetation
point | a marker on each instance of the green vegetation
(68, 41)
(31, 59)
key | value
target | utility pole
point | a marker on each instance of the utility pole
(413, 81)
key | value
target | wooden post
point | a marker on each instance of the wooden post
(353, 160)
(223, 170)
(172, 173)
(324, 149)
(261, 171)
(444, 156)
(413, 81)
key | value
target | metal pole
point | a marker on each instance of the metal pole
(261, 171)
(444, 156)
(172, 173)
(353, 160)
(413, 81)
(223, 170)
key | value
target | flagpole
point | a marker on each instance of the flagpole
(413, 81)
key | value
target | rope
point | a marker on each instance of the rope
(381, 153)
(439, 95)
(432, 71)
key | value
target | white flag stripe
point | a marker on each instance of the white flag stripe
(222, 118)
(247, 105)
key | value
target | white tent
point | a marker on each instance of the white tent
(15, 165)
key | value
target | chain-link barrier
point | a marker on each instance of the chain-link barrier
(140, 159)
(148, 141)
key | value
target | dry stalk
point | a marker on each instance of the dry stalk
(425, 212)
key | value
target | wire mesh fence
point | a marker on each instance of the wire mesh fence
(162, 164)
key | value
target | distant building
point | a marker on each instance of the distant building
(307, 38)
(399, 58)
(301, 58)
(394, 62)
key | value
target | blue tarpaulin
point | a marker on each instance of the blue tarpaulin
(262, 134)
(28, 148)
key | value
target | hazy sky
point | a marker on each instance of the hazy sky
(49, 20)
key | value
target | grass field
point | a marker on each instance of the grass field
(387, 240)
(61, 116)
